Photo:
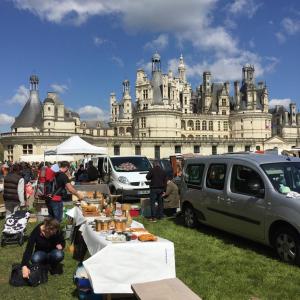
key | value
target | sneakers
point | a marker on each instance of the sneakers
(56, 269)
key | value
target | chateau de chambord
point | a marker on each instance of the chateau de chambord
(160, 116)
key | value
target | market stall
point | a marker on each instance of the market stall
(76, 145)
(115, 265)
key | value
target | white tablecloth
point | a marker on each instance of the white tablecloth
(113, 267)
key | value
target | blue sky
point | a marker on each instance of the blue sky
(84, 49)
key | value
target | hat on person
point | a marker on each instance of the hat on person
(55, 168)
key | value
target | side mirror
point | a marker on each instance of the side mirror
(254, 186)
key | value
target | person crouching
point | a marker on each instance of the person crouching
(45, 246)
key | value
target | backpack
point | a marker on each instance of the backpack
(38, 275)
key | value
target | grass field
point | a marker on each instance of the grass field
(215, 265)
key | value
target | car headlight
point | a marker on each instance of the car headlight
(123, 179)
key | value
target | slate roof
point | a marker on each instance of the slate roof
(31, 114)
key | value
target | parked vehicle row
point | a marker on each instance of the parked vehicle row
(252, 195)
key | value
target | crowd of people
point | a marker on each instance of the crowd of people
(53, 183)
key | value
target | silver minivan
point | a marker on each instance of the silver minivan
(256, 196)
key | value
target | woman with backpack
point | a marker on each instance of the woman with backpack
(45, 246)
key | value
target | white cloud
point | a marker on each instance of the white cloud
(90, 112)
(188, 21)
(285, 102)
(288, 27)
(118, 61)
(98, 41)
(160, 43)
(6, 119)
(72, 11)
(225, 68)
(20, 97)
(59, 88)
(244, 7)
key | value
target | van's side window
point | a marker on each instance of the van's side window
(241, 177)
(193, 176)
(216, 176)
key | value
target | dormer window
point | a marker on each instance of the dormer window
(49, 108)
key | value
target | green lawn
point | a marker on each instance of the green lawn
(212, 263)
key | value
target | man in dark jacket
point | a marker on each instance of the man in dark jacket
(13, 191)
(92, 171)
(158, 182)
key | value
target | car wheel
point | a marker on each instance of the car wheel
(286, 242)
(189, 215)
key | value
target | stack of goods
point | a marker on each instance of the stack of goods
(89, 210)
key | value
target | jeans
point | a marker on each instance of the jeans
(155, 197)
(56, 210)
(52, 258)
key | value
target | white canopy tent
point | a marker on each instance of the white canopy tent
(76, 145)
(52, 159)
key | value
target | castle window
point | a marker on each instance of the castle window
(116, 149)
(223, 112)
(204, 125)
(219, 125)
(191, 124)
(223, 102)
(49, 108)
(214, 150)
(115, 131)
(145, 94)
(98, 132)
(177, 149)
(185, 100)
(230, 148)
(183, 124)
(10, 152)
(210, 126)
(27, 149)
(157, 152)
(49, 123)
(138, 150)
(185, 111)
(105, 132)
(225, 125)
(197, 125)
(196, 149)
(143, 122)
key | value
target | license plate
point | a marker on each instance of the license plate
(143, 192)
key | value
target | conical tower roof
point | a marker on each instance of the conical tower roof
(31, 114)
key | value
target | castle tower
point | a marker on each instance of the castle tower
(126, 105)
(237, 95)
(156, 80)
(248, 74)
(206, 91)
(293, 113)
(181, 69)
(113, 107)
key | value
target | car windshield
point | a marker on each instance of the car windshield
(285, 176)
(130, 164)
